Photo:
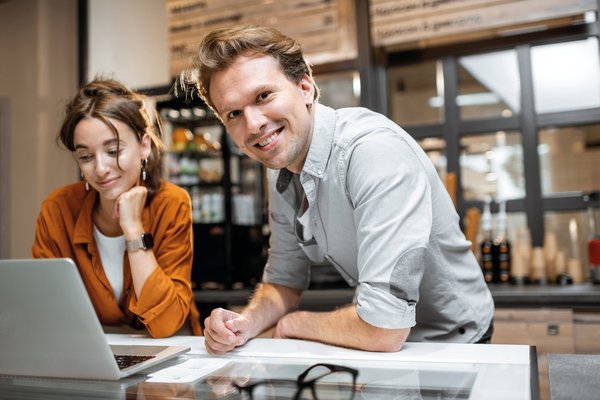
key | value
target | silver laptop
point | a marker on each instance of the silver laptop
(48, 327)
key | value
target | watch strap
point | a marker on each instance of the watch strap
(144, 242)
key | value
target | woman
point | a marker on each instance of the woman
(128, 231)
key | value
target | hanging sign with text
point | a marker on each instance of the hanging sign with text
(422, 23)
(324, 28)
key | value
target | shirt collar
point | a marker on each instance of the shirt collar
(319, 150)
(322, 138)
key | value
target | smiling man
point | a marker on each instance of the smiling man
(348, 186)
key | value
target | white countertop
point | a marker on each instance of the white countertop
(414, 352)
(500, 372)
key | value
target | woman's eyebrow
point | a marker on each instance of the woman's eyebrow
(110, 141)
(105, 143)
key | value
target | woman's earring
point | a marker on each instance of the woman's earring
(308, 106)
(144, 163)
(87, 184)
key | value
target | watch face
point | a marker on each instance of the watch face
(148, 240)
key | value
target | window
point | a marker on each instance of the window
(338, 90)
(516, 120)
(416, 96)
(570, 159)
(571, 230)
(566, 76)
(488, 85)
(492, 165)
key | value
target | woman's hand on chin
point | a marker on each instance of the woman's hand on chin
(128, 210)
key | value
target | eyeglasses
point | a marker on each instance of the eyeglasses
(317, 382)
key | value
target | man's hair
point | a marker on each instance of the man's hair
(220, 48)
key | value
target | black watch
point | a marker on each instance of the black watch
(145, 242)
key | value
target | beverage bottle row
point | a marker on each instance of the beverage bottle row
(495, 249)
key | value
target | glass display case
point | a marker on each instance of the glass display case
(282, 368)
(377, 380)
(226, 189)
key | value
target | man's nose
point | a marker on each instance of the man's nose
(255, 119)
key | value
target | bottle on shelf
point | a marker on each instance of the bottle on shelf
(486, 246)
(196, 204)
(181, 139)
(560, 268)
(520, 256)
(501, 249)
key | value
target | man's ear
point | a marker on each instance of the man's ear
(307, 85)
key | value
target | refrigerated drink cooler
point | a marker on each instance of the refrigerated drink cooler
(593, 201)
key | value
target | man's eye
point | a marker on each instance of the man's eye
(233, 114)
(263, 95)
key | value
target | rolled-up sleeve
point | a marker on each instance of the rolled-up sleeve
(393, 218)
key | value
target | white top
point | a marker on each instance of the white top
(112, 250)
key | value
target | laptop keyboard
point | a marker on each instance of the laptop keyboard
(125, 361)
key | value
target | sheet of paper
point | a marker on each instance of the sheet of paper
(188, 371)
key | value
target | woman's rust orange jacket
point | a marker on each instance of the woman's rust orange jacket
(64, 228)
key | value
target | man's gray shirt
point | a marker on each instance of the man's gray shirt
(379, 213)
